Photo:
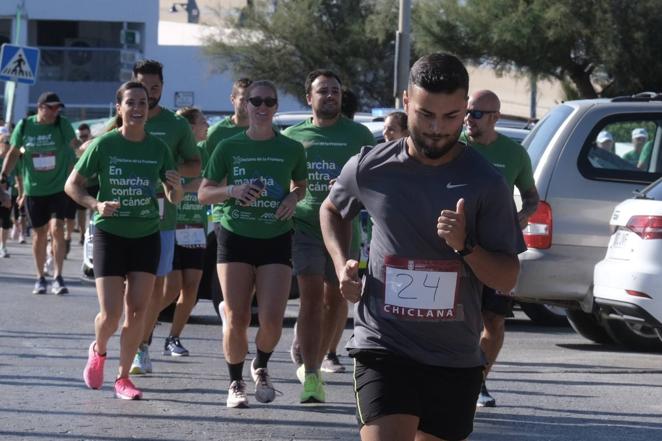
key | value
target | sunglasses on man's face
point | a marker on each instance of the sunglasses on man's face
(258, 100)
(478, 114)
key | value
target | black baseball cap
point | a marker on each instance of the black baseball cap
(49, 98)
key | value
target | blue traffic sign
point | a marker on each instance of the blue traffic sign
(19, 63)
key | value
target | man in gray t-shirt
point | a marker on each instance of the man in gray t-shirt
(444, 224)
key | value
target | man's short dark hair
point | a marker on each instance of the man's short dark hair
(439, 73)
(84, 126)
(319, 73)
(241, 83)
(349, 103)
(148, 67)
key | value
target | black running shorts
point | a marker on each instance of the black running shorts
(257, 252)
(496, 303)
(5, 218)
(118, 256)
(72, 207)
(42, 208)
(443, 398)
(188, 258)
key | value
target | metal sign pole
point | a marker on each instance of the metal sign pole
(10, 86)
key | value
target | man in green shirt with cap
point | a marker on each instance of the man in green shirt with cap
(47, 142)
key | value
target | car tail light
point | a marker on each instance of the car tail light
(637, 293)
(646, 227)
(538, 232)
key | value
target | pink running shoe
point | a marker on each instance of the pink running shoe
(125, 390)
(93, 373)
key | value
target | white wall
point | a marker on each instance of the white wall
(187, 69)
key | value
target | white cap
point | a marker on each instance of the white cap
(639, 133)
(4, 130)
(604, 136)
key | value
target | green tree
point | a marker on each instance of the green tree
(595, 47)
(354, 38)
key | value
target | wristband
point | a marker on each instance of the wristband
(228, 190)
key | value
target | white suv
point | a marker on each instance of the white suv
(579, 184)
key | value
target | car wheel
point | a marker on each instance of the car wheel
(545, 315)
(634, 336)
(588, 326)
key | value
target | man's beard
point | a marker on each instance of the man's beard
(328, 112)
(153, 102)
(474, 132)
(433, 152)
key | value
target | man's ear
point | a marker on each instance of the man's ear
(405, 101)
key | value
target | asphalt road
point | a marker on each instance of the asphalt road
(549, 383)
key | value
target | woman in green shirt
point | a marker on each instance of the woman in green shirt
(129, 164)
(259, 176)
(182, 282)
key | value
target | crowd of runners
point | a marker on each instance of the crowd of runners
(442, 256)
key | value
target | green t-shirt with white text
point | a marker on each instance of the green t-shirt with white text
(511, 159)
(129, 172)
(190, 211)
(176, 133)
(327, 150)
(276, 162)
(223, 129)
(47, 154)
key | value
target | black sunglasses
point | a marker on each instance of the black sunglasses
(478, 114)
(258, 100)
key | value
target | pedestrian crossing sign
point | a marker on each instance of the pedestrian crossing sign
(19, 63)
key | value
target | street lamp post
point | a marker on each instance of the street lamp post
(402, 52)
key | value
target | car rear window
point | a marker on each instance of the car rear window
(544, 131)
(654, 191)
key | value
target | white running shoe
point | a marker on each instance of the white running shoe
(237, 395)
(142, 364)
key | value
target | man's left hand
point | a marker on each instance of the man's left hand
(451, 226)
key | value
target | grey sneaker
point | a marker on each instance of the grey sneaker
(58, 287)
(484, 398)
(264, 389)
(331, 364)
(4, 253)
(237, 395)
(142, 364)
(40, 286)
(174, 347)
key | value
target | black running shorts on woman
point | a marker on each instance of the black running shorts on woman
(257, 252)
(188, 258)
(117, 256)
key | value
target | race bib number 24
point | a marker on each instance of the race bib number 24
(421, 289)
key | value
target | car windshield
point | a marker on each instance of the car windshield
(544, 131)
(654, 191)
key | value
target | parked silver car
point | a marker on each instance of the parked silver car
(581, 178)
